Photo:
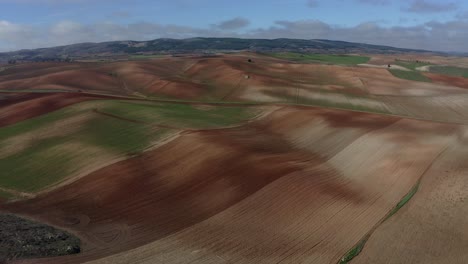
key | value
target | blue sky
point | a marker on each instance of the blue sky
(430, 24)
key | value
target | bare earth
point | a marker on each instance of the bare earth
(278, 203)
(432, 227)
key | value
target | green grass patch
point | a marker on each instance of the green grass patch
(48, 156)
(180, 115)
(6, 195)
(449, 70)
(359, 247)
(144, 57)
(321, 58)
(354, 251)
(404, 200)
(412, 65)
(34, 123)
(38, 166)
(410, 75)
(116, 135)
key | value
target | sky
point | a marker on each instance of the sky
(440, 25)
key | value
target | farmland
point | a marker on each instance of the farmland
(321, 58)
(51, 147)
(410, 75)
(238, 158)
(450, 70)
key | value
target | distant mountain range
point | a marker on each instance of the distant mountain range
(199, 45)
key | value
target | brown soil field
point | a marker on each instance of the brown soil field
(432, 227)
(265, 192)
(224, 77)
(20, 107)
(449, 80)
(298, 185)
(382, 82)
(450, 108)
(29, 70)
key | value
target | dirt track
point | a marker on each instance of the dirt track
(247, 194)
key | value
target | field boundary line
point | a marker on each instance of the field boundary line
(359, 246)
(16, 193)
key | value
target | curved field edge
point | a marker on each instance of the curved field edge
(357, 249)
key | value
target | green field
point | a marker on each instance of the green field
(411, 65)
(410, 75)
(6, 195)
(144, 57)
(322, 58)
(51, 147)
(179, 115)
(448, 70)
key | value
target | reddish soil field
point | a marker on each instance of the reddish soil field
(248, 194)
(147, 198)
(449, 80)
(20, 107)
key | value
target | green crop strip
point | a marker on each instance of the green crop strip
(452, 71)
(410, 75)
(411, 65)
(404, 201)
(354, 251)
(322, 58)
(360, 246)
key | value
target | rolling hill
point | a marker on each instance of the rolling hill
(199, 45)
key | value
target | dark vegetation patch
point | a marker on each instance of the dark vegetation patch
(322, 58)
(357, 249)
(448, 70)
(21, 238)
(412, 65)
(410, 75)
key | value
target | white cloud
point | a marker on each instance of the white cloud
(65, 27)
(233, 24)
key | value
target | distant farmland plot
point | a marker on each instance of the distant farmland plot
(448, 70)
(322, 58)
(143, 57)
(412, 65)
(42, 151)
(180, 115)
(410, 75)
